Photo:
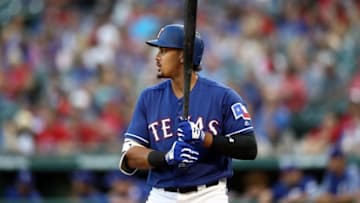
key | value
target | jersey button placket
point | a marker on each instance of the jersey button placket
(179, 108)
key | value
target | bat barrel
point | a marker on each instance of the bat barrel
(190, 12)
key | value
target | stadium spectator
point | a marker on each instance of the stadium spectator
(341, 181)
(256, 188)
(271, 123)
(54, 137)
(350, 139)
(23, 189)
(83, 188)
(294, 186)
(322, 137)
(85, 133)
(122, 188)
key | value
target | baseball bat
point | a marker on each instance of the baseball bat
(190, 10)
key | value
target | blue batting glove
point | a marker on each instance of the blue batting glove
(181, 153)
(189, 132)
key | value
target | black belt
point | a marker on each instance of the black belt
(189, 188)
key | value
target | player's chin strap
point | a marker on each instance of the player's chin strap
(238, 146)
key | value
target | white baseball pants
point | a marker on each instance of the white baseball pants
(212, 194)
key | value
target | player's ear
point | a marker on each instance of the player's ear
(181, 57)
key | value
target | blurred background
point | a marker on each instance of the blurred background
(71, 71)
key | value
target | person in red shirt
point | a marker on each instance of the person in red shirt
(350, 138)
(55, 137)
(85, 132)
(293, 91)
(320, 138)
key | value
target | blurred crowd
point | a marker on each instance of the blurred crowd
(70, 71)
(83, 186)
(340, 183)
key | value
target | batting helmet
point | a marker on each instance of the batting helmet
(172, 36)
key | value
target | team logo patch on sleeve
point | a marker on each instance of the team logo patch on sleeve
(240, 111)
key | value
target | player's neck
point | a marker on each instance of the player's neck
(178, 85)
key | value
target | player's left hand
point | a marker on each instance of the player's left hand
(189, 132)
(181, 153)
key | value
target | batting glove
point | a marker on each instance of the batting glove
(181, 153)
(189, 132)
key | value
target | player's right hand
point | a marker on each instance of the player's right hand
(189, 132)
(181, 153)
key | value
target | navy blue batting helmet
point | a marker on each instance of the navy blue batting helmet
(172, 36)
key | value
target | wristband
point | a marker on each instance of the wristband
(156, 159)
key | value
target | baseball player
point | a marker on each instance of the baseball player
(341, 180)
(188, 159)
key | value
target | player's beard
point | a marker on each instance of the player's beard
(160, 75)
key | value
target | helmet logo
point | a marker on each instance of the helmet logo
(158, 35)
